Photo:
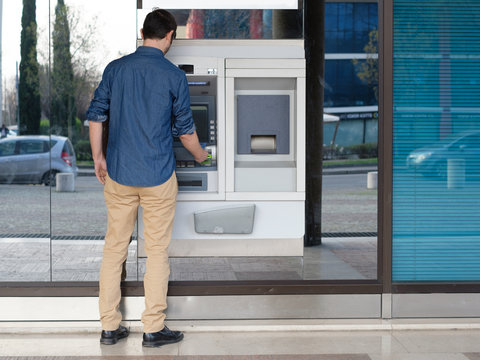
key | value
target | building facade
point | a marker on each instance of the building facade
(425, 253)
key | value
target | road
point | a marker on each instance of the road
(347, 206)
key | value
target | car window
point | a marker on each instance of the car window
(53, 143)
(31, 147)
(7, 148)
(68, 148)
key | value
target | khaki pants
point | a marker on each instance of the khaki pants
(158, 203)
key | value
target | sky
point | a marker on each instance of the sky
(115, 24)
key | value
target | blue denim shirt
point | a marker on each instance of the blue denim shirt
(139, 93)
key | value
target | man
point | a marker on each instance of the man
(138, 95)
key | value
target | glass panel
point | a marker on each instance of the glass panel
(79, 216)
(436, 143)
(24, 152)
(248, 24)
(350, 143)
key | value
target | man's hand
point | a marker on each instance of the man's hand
(101, 170)
(201, 156)
(191, 143)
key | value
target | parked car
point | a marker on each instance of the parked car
(36, 159)
(432, 160)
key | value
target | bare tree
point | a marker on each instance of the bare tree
(10, 102)
(86, 74)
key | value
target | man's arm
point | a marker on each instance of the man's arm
(183, 124)
(96, 132)
(97, 114)
(191, 143)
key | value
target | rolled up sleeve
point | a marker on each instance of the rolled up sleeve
(183, 120)
(100, 104)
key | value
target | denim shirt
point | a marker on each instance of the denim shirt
(138, 94)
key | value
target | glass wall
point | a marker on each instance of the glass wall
(436, 152)
(53, 228)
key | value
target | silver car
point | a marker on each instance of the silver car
(432, 160)
(27, 160)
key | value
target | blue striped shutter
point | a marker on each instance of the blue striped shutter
(436, 141)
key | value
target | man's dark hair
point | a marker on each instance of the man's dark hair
(158, 24)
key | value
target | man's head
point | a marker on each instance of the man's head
(159, 25)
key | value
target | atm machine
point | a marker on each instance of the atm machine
(248, 104)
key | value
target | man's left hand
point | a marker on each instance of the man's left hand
(101, 170)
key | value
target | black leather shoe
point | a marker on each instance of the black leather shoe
(111, 337)
(162, 337)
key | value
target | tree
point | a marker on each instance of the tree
(62, 111)
(367, 71)
(28, 89)
(83, 49)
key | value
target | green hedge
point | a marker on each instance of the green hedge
(83, 150)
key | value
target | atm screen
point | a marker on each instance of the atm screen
(200, 117)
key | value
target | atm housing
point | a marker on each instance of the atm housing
(191, 175)
(248, 103)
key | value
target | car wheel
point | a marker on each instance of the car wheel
(50, 178)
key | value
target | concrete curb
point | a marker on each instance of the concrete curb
(251, 326)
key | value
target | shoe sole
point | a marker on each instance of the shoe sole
(112, 341)
(161, 342)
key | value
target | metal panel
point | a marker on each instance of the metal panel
(385, 131)
(266, 49)
(198, 307)
(265, 63)
(386, 306)
(435, 305)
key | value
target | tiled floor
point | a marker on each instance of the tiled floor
(296, 345)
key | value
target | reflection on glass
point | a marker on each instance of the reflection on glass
(350, 144)
(461, 150)
(235, 24)
(344, 87)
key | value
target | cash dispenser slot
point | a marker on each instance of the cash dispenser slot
(192, 182)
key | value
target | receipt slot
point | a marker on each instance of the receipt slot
(248, 104)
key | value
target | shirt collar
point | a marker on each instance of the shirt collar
(149, 50)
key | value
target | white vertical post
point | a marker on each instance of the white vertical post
(455, 173)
